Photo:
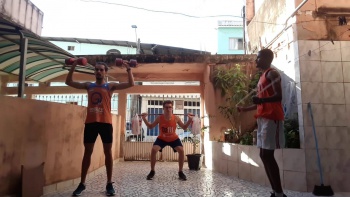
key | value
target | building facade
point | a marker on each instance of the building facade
(310, 39)
(230, 37)
(78, 48)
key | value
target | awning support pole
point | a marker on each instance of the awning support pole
(22, 66)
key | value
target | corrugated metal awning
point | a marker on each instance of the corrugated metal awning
(45, 60)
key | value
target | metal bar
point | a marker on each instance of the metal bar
(22, 67)
(9, 30)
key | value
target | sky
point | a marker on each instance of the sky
(180, 23)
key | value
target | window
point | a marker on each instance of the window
(192, 103)
(70, 48)
(235, 44)
(113, 52)
(151, 118)
(155, 102)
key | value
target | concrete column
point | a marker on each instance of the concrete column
(250, 10)
(204, 113)
(29, 96)
(3, 83)
(122, 112)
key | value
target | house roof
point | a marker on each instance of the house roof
(44, 60)
(230, 23)
(146, 49)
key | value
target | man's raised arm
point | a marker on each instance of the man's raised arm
(69, 79)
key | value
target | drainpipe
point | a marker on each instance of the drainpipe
(285, 24)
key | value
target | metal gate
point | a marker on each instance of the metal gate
(138, 147)
(141, 151)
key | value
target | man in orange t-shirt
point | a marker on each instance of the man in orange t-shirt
(99, 119)
(167, 136)
(270, 117)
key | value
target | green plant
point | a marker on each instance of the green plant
(195, 142)
(247, 138)
(231, 135)
(291, 131)
(234, 85)
(254, 81)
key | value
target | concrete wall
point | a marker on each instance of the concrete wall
(312, 53)
(24, 13)
(325, 82)
(318, 20)
(32, 132)
(244, 162)
(268, 21)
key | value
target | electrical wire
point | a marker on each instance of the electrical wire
(193, 16)
(160, 11)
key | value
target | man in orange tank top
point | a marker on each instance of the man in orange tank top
(167, 136)
(270, 135)
(99, 119)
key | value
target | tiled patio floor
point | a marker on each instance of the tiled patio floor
(130, 180)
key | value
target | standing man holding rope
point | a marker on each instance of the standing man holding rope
(167, 136)
(99, 119)
(270, 117)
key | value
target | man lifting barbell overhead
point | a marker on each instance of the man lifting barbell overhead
(99, 118)
(167, 136)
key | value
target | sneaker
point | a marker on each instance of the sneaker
(151, 175)
(182, 176)
(80, 188)
(273, 195)
(110, 189)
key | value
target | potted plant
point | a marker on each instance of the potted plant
(234, 85)
(195, 159)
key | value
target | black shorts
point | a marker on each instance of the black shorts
(91, 131)
(163, 144)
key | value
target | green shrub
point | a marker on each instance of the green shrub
(247, 139)
(291, 132)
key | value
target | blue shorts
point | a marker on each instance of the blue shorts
(163, 144)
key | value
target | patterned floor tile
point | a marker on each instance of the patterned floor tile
(130, 180)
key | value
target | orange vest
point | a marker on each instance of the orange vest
(99, 104)
(269, 110)
(167, 129)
